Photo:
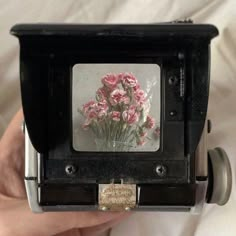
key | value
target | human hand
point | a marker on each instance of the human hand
(15, 216)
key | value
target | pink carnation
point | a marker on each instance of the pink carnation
(123, 90)
(115, 115)
(88, 106)
(149, 123)
(92, 114)
(128, 79)
(140, 97)
(102, 108)
(86, 125)
(143, 134)
(156, 132)
(118, 96)
(141, 142)
(110, 81)
(95, 110)
(130, 115)
(136, 87)
(102, 93)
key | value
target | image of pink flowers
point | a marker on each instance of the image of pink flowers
(117, 116)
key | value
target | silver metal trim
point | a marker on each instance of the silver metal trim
(31, 169)
(38, 168)
(201, 159)
(32, 195)
(201, 191)
(31, 174)
(201, 169)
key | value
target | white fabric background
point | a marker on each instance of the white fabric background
(222, 110)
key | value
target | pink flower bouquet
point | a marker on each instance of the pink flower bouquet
(119, 116)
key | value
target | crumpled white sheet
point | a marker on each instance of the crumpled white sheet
(214, 220)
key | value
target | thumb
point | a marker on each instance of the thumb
(50, 223)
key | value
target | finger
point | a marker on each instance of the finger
(12, 159)
(12, 144)
(105, 227)
(50, 223)
(13, 133)
(71, 232)
(95, 230)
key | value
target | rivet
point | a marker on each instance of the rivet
(104, 208)
(180, 55)
(127, 208)
(173, 113)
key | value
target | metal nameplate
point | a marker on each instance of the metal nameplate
(117, 197)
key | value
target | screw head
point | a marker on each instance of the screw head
(161, 170)
(70, 169)
(173, 80)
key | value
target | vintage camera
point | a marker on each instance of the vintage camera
(116, 117)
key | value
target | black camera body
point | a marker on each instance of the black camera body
(177, 176)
